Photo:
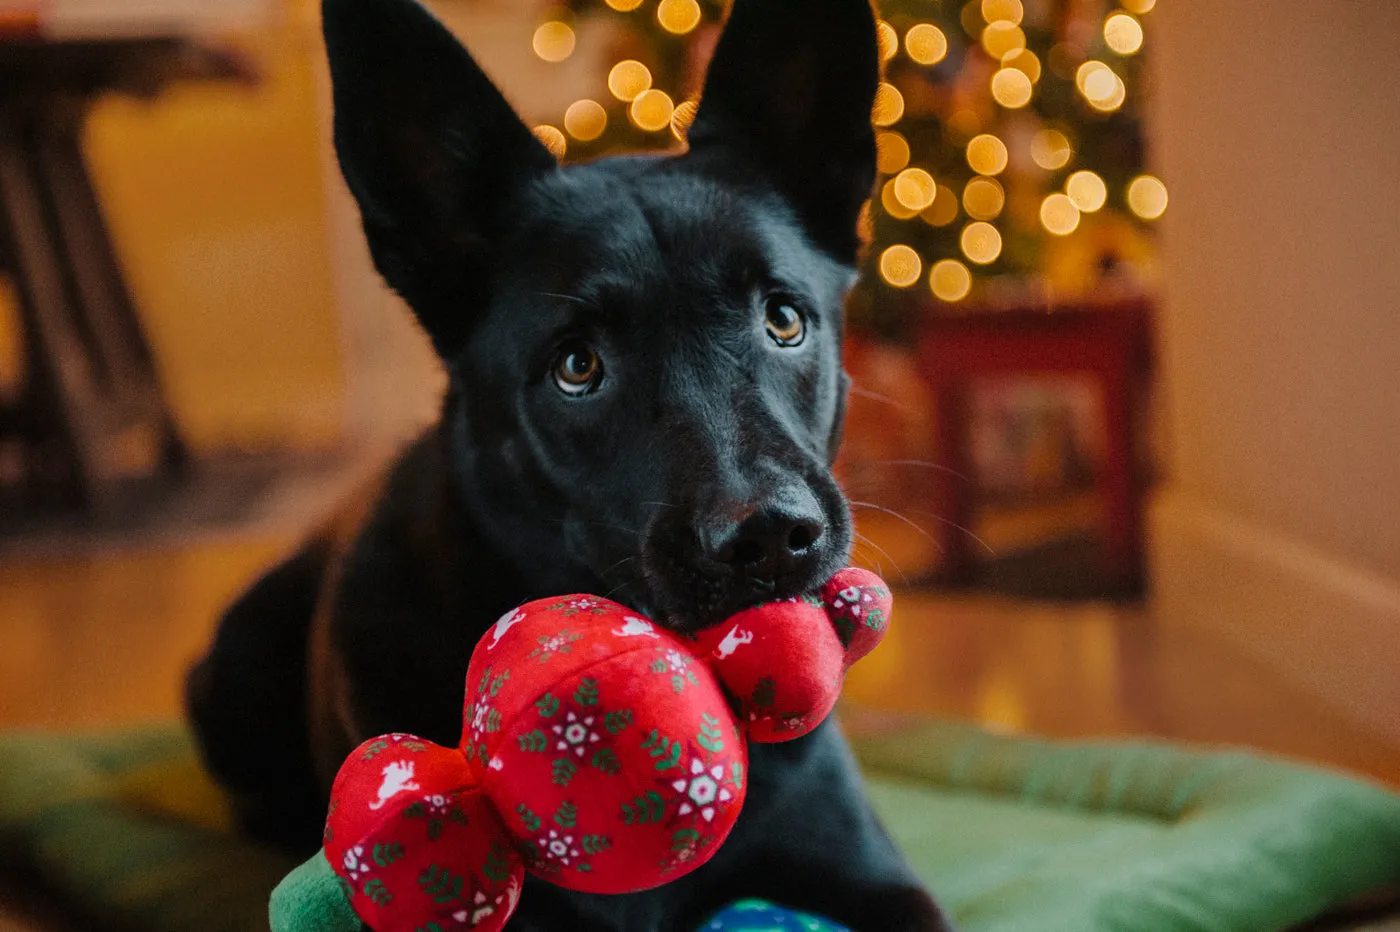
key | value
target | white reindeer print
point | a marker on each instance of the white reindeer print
(508, 621)
(398, 777)
(636, 627)
(732, 641)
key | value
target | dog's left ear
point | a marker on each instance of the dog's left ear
(789, 95)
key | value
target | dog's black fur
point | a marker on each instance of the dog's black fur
(632, 411)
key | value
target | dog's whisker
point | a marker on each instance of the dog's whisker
(561, 297)
(876, 396)
(897, 515)
(893, 562)
(953, 524)
(924, 464)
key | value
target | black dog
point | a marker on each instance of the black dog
(646, 396)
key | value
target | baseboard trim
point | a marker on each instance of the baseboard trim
(1331, 628)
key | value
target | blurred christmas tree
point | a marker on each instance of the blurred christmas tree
(1010, 141)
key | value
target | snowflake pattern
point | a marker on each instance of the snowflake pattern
(702, 791)
(356, 867)
(579, 605)
(552, 644)
(557, 848)
(575, 734)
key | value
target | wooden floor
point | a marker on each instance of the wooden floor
(102, 639)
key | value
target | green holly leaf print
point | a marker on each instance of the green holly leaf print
(605, 759)
(440, 884)
(528, 818)
(485, 685)
(378, 894)
(649, 807)
(493, 721)
(765, 693)
(658, 666)
(497, 866)
(534, 741)
(615, 722)
(594, 844)
(844, 629)
(875, 620)
(498, 682)
(587, 692)
(434, 829)
(563, 771)
(374, 749)
(666, 751)
(456, 816)
(417, 747)
(414, 811)
(684, 838)
(812, 599)
(567, 815)
(384, 855)
(738, 773)
(547, 705)
(710, 737)
(346, 889)
(430, 927)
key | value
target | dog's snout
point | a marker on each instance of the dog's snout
(771, 540)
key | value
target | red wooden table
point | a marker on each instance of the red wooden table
(1109, 344)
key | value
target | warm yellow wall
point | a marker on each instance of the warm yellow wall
(216, 198)
(1278, 130)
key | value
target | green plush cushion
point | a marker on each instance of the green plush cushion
(1012, 834)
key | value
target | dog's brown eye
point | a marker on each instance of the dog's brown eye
(578, 370)
(785, 324)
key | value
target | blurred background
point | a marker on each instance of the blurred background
(1125, 430)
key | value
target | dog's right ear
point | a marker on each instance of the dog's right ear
(431, 151)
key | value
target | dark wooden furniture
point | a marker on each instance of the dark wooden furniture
(1108, 343)
(91, 414)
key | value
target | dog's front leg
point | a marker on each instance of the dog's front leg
(808, 839)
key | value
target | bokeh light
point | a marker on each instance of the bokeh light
(987, 155)
(554, 41)
(950, 280)
(1147, 197)
(943, 210)
(627, 79)
(1087, 190)
(889, 105)
(1009, 10)
(624, 6)
(926, 44)
(1115, 98)
(652, 110)
(888, 39)
(1059, 215)
(901, 266)
(1122, 33)
(914, 188)
(1011, 88)
(553, 139)
(1002, 39)
(678, 16)
(1025, 61)
(1139, 6)
(891, 203)
(683, 117)
(981, 242)
(585, 120)
(983, 198)
(891, 152)
(1050, 149)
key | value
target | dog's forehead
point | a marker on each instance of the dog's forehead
(641, 223)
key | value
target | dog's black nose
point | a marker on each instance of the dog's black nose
(773, 540)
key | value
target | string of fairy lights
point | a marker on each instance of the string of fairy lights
(1001, 125)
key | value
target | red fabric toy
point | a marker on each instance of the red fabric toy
(599, 752)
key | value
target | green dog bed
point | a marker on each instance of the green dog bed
(1012, 834)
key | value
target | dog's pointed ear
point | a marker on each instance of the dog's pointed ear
(790, 92)
(430, 149)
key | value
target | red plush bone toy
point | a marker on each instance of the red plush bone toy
(599, 752)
